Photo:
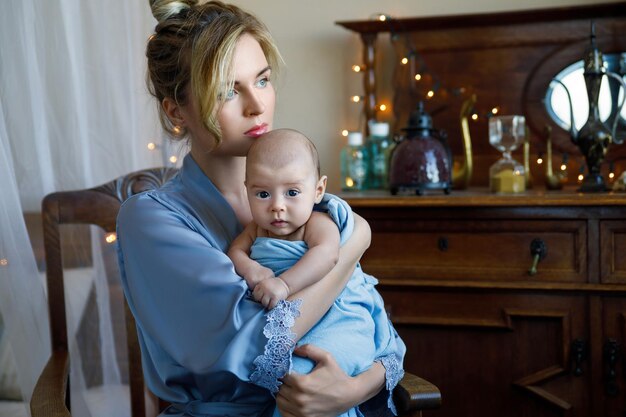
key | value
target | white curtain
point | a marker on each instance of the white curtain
(74, 113)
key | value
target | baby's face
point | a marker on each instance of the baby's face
(282, 198)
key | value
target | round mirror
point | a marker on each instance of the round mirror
(611, 94)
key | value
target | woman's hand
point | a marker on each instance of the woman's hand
(326, 392)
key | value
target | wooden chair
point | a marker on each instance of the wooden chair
(99, 206)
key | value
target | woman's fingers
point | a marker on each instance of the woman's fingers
(324, 392)
(316, 354)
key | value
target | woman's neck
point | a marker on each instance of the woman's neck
(228, 174)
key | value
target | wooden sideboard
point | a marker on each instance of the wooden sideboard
(498, 341)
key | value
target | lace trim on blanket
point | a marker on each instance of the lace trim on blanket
(393, 374)
(275, 362)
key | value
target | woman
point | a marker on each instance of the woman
(210, 67)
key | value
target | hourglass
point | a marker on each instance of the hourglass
(506, 133)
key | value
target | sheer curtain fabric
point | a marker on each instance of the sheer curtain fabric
(74, 113)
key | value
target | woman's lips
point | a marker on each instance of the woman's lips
(257, 130)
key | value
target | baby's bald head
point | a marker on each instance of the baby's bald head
(280, 147)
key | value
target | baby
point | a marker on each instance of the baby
(293, 242)
(284, 183)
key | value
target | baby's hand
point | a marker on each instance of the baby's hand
(256, 275)
(270, 291)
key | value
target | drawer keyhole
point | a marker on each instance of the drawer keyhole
(442, 243)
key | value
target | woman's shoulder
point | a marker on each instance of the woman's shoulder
(176, 207)
(145, 206)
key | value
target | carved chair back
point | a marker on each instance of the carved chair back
(95, 206)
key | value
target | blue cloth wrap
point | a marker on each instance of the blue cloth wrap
(356, 329)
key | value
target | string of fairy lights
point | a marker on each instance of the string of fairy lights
(432, 85)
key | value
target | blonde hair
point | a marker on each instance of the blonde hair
(190, 55)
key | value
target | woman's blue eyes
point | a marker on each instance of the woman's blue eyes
(262, 83)
(230, 95)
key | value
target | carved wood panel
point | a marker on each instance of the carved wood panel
(495, 353)
(613, 251)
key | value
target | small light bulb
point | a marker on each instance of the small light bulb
(4, 262)
(475, 116)
(430, 94)
(110, 237)
(539, 161)
(418, 77)
(356, 99)
(152, 146)
(580, 177)
(349, 182)
(357, 68)
(404, 61)
(382, 17)
(173, 159)
(611, 175)
(345, 132)
(563, 167)
(382, 107)
(494, 110)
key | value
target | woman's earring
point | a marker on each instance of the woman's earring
(177, 130)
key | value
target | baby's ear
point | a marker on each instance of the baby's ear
(320, 188)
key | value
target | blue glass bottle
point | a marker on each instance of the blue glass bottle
(379, 146)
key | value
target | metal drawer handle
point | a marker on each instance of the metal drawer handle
(611, 355)
(538, 250)
(579, 355)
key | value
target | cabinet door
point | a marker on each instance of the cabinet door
(610, 386)
(495, 353)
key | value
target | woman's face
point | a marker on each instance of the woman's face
(248, 109)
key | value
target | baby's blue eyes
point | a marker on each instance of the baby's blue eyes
(290, 193)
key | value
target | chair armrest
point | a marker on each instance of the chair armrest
(49, 395)
(414, 393)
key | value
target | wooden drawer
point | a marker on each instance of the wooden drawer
(613, 252)
(484, 250)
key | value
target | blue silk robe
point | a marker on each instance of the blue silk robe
(202, 337)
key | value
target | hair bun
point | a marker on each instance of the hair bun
(164, 9)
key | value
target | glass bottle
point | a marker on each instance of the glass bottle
(354, 163)
(379, 146)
